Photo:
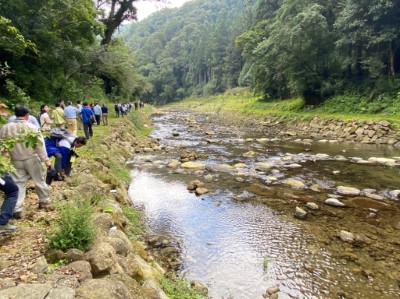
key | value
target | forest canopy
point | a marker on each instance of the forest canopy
(53, 50)
(278, 48)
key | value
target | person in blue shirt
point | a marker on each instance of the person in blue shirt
(97, 112)
(31, 119)
(71, 113)
(87, 119)
(63, 151)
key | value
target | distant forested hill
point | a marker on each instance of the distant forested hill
(281, 49)
(190, 50)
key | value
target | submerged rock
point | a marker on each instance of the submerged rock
(263, 166)
(294, 184)
(299, 213)
(312, 206)
(193, 165)
(394, 194)
(334, 202)
(346, 236)
(342, 190)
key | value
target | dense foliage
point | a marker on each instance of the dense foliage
(280, 48)
(189, 50)
(51, 50)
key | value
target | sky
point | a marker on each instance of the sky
(145, 8)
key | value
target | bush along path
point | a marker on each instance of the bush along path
(92, 244)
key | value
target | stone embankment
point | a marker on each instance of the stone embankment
(361, 131)
(116, 266)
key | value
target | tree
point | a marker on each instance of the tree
(114, 13)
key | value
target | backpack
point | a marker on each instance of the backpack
(38, 119)
(57, 134)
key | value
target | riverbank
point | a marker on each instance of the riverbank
(119, 263)
(291, 118)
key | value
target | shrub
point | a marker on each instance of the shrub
(74, 228)
(178, 288)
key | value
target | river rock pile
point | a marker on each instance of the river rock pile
(370, 132)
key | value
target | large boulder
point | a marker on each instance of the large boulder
(120, 241)
(152, 290)
(103, 289)
(101, 258)
(37, 291)
(82, 268)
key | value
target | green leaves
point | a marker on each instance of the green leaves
(28, 137)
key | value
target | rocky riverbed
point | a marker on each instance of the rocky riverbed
(339, 201)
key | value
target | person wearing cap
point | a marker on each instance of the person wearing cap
(27, 161)
(71, 113)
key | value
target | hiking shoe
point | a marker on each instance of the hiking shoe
(17, 215)
(7, 228)
(59, 177)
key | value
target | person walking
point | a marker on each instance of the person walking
(71, 113)
(87, 120)
(104, 114)
(117, 108)
(79, 106)
(97, 113)
(58, 116)
(45, 121)
(27, 161)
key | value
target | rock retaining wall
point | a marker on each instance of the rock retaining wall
(366, 131)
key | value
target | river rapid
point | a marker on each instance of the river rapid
(299, 217)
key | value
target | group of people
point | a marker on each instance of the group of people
(28, 161)
(124, 108)
(74, 118)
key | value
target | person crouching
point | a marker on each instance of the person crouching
(63, 152)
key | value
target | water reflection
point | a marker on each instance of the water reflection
(237, 249)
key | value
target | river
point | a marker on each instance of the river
(241, 237)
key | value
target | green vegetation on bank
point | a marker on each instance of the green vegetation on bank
(74, 228)
(241, 101)
(178, 288)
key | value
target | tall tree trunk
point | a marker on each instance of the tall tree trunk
(391, 60)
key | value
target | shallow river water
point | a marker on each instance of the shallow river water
(241, 238)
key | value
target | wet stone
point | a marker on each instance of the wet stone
(342, 190)
(334, 202)
(312, 206)
(346, 236)
(299, 213)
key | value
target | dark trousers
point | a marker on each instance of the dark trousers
(57, 162)
(10, 190)
(87, 128)
(98, 117)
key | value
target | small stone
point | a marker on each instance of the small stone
(348, 191)
(312, 206)
(272, 290)
(299, 213)
(334, 202)
(346, 236)
(201, 191)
